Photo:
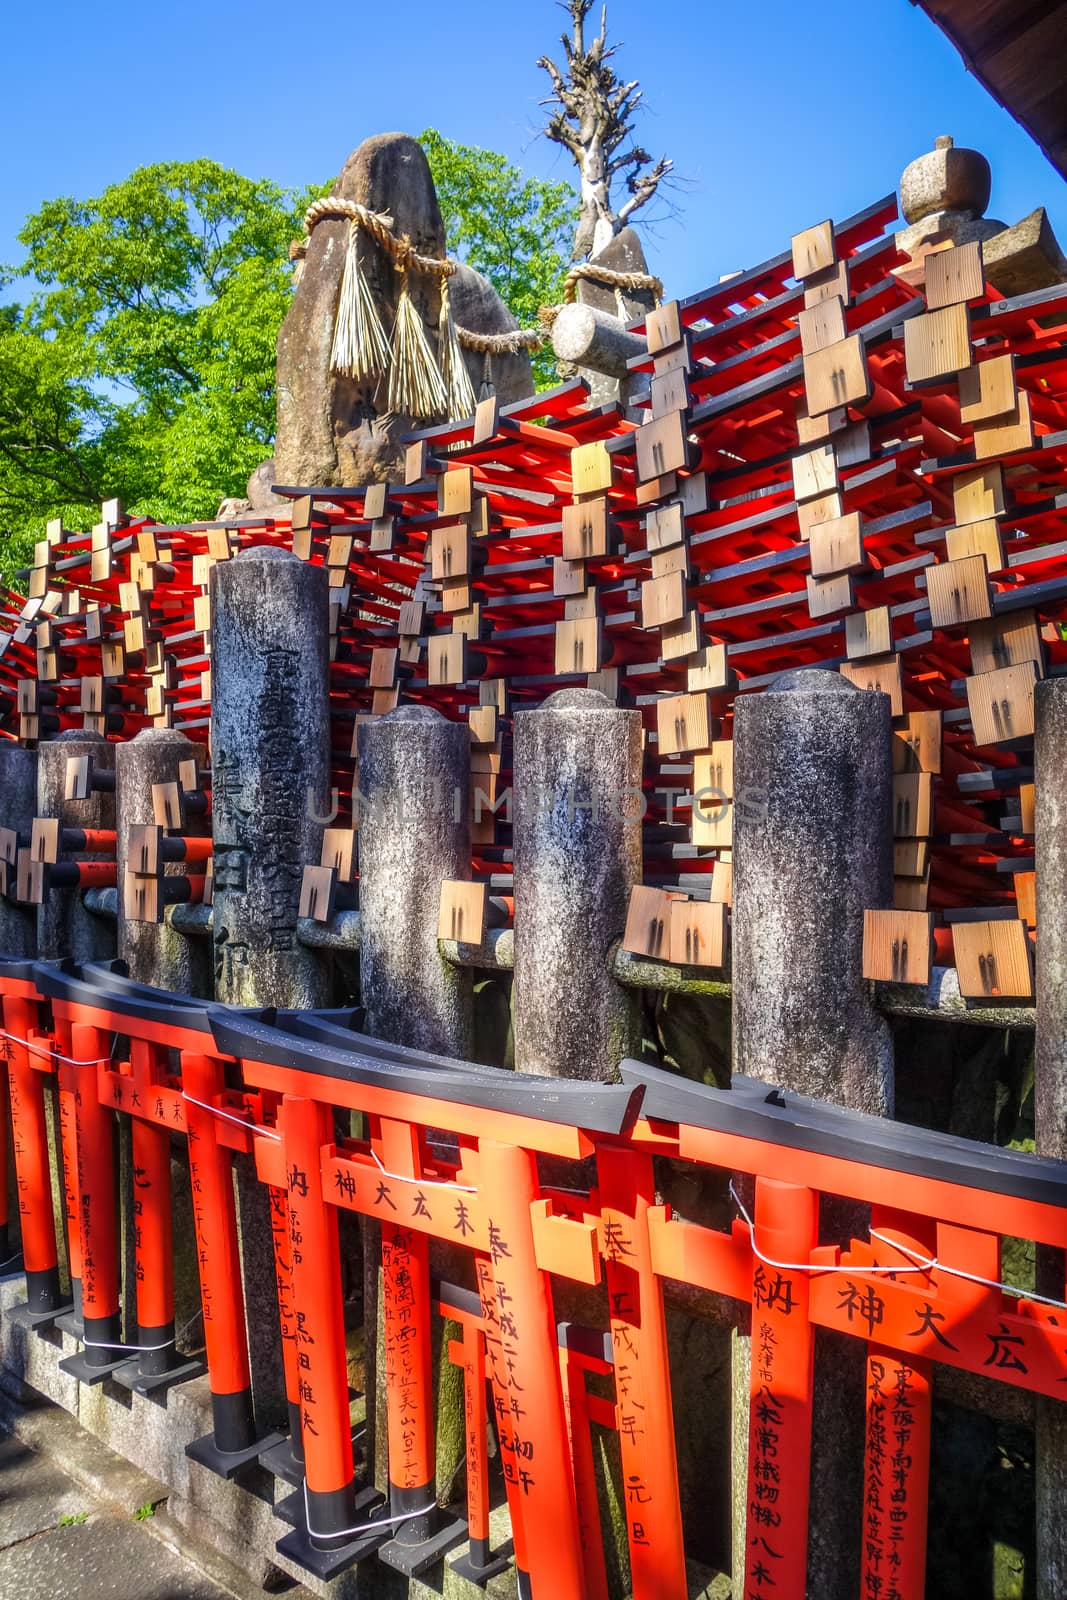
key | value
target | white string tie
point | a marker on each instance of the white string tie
(53, 1055)
(362, 1527)
(423, 1183)
(216, 1111)
(925, 1264)
(145, 1349)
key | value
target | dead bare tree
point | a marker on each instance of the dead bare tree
(593, 116)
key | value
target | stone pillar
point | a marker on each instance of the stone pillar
(813, 849)
(154, 951)
(415, 831)
(18, 806)
(64, 926)
(577, 854)
(270, 751)
(1050, 1093)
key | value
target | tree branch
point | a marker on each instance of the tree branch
(644, 187)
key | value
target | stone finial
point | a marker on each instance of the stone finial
(943, 195)
(947, 178)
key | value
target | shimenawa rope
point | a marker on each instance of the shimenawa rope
(421, 383)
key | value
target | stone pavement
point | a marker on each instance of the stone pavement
(68, 1521)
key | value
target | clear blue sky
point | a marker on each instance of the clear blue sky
(777, 114)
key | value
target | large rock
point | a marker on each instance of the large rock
(477, 307)
(260, 490)
(316, 409)
(331, 429)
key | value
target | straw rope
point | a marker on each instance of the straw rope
(380, 227)
(501, 344)
(610, 279)
(416, 382)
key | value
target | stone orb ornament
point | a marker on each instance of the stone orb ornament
(947, 178)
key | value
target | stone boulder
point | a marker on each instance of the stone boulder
(260, 490)
(331, 429)
(317, 409)
(477, 306)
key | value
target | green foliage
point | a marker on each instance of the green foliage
(142, 361)
(515, 230)
(73, 1519)
(143, 1513)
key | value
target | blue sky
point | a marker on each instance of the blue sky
(776, 114)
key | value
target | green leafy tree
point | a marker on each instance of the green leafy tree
(515, 230)
(143, 363)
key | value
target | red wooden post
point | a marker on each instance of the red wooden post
(96, 1211)
(409, 1392)
(645, 1418)
(279, 1223)
(7, 1248)
(576, 1415)
(29, 1132)
(422, 1537)
(66, 1096)
(896, 1476)
(521, 1344)
(319, 1331)
(780, 1388)
(219, 1261)
(468, 1353)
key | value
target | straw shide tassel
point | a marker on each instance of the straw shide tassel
(360, 347)
(415, 386)
(458, 387)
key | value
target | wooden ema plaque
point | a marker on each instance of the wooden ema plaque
(897, 946)
(993, 960)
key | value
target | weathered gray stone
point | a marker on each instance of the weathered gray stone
(260, 490)
(949, 177)
(270, 746)
(1025, 257)
(477, 307)
(64, 926)
(317, 409)
(588, 337)
(623, 253)
(18, 804)
(813, 851)
(577, 854)
(1050, 1092)
(947, 227)
(154, 951)
(414, 782)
